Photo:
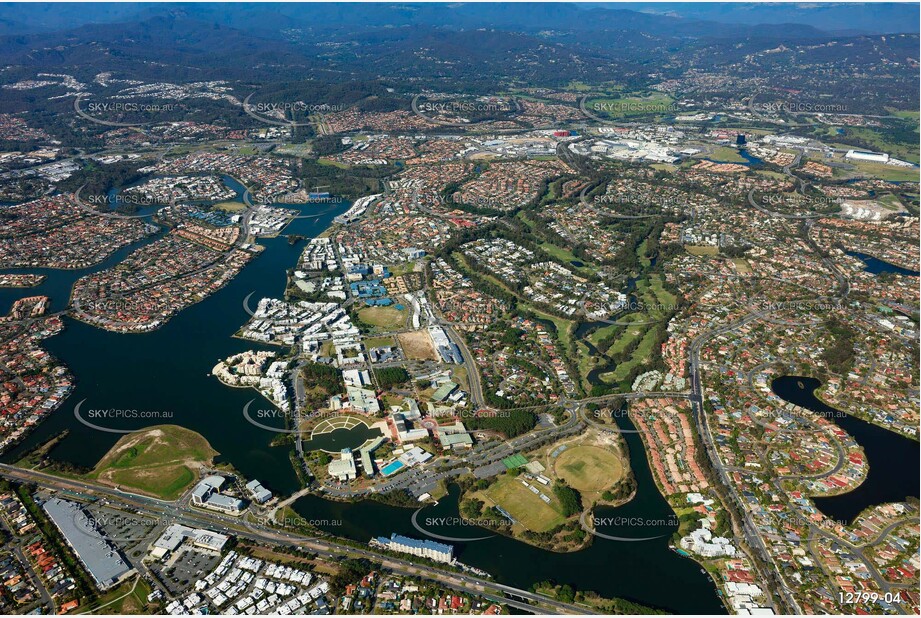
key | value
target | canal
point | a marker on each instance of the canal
(893, 475)
(877, 266)
(635, 570)
(167, 370)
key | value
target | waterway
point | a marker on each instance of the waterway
(877, 266)
(750, 159)
(336, 440)
(167, 370)
(640, 571)
(892, 458)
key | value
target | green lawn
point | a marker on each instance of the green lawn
(640, 355)
(567, 256)
(726, 154)
(158, 460)
(526, 507)
(332, 163)
(127, 598)
(589, 468)
(907, 151)
(386, 318)
(881, 171)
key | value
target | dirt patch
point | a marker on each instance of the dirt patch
(417, 345)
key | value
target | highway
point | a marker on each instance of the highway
(180, 513)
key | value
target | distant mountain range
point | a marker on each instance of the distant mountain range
(664, 19)
(471, 47)
(833, 17)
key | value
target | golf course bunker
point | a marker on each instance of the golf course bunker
(339, 432)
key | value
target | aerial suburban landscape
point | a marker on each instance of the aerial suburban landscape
(470, 308)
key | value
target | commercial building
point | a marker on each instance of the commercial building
(367, 461)
(444, 391)
(405, 432)
(455, 437)
(439, 552)
(207, 495)
(174, 536)
(101, 559)
(446, 348)
(863, 155)
(356, 377)
(343, 468)
(259, 493)
(363, 400)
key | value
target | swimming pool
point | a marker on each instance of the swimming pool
(392, 467)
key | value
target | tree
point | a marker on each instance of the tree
(391, 376)
(566, 594)
(569, 498)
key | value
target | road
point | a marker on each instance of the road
(178, 512)
(749, 530)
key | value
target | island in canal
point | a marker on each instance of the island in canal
(546, 497)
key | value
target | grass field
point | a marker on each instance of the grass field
(230, 206)
(401, 269)
(578, 86)
(588, 468)
(297, 150)
(600, 334)
(656, 298)
(725, 154)
(741, 265)
(459, 376)
(332, 163)
(641, 253)
(907, 151)
(526, 507)
(159, 461)
(626, 337)
(890, 202)
(565, 255)
(378, 342)
(701, 250)
(386, 318)
(908, 114)
(885, 172)
(654, 304)
(128, 598)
